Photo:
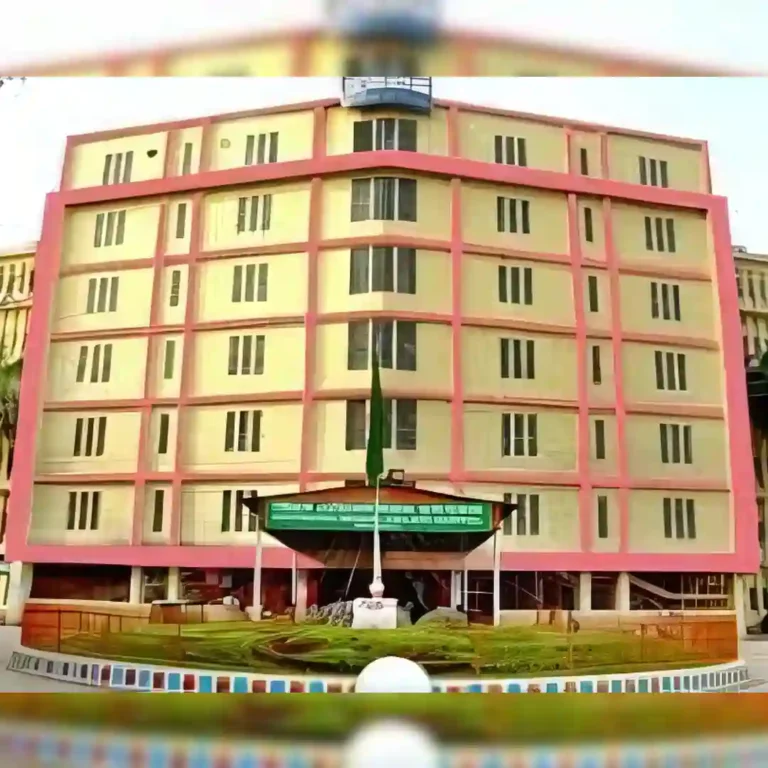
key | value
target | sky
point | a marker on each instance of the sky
(731, 113)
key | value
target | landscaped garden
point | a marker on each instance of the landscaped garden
(276, 647)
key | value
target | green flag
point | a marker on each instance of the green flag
(374, 460)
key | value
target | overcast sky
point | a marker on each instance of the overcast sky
(731, 113)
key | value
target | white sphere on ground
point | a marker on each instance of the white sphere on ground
(392, 674)
(388, 743)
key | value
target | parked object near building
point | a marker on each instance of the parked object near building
(555, 313)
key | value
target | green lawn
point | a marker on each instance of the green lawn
(486, 719)
(276, 647)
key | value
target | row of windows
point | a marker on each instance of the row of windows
(678, 514)
(383, 199)
(16, 281)
(747, 276)
(372, 135)
(395, 344)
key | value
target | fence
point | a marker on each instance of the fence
(55, 627)
(591, 646)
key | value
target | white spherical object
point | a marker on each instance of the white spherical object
(391, 674)
(388, 743)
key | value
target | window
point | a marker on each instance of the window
(246, 285)
(102, 294)
(602, 517)
(237, 517)
(653, 172)
(676, 443)
(248, 213)
(246, 355)
(594, 304)
(599, 438)
(170, 355)
(393, 340)
(519, 434)
(403, 414)
(90, 434)
(186, 163)
(513, 215)
(383, 199)
(515, 285)
(655, 237)
(665, 301)
(510, 150)
(739, 284)
(356, 425)
(671, 371)
(243, 431)
(175, 288)
(110, 229)
(584, 160)
(522, 355)
(382, 270)
(400, 424)
(83, 512)
(117, 168)
(162, 440)
(385, 133)
(181, 221)
(751, 288)
(683, 524)
(589, 234)
(265, 147)
(524, 520)
(763, 296)
(597, 374)
(101, 363)
(157, 514)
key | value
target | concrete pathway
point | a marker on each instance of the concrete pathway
(18, 682)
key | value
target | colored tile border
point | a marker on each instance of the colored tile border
(83, 748)
(143, 677)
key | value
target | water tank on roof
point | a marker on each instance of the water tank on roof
(417, 20)
(412, 93)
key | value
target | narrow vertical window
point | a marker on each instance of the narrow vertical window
(654, 300)
(597, 375)
(82, 364)
(72, 511)
(95, 508)
(229, 432)
(175, 288)
(584, 159)
(249, 147)
(101, 435)
(261, 291)
(186, 163)
(157, 516)
(602, 517)
(256, 433)
(226, 511)
(237, 284)
(162, 441)
(250, 282)
(593, 294)
(667, 518)
(181, 221)
(588, 232)
(78, 437)
(106, 371)
(690, 514)
(90, 306)
(599, 438)
(114, 285)
(643, 170)
(170, 354)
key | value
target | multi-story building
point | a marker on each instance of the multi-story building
(556, 313)
(751, 276)
(17, 277)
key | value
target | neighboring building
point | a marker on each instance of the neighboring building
(17, 272)
(751, 277)
(557, 309)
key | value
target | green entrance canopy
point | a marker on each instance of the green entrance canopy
(402, 518)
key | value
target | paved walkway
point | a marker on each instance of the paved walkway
(18, 682)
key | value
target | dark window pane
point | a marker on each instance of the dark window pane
(234, 354)
(273, 146)
(181, 220)
(355, 426)
(101, 435)
(107, 367)
(162, 443)
(382, 270)
(407, 203)
(361, 200)
(504, 347)
(229, 432)
(237, 284)
(250, 282)
(90, 305)
(261, 290)
(157, 516)
(383, 338)
(357, 345)
(406, 270)
(226, 511)
(363, 136)
(258, 362)
(667, 518)
(406, 425)
(503, 284)
(78, 437)
(358, 270)
(406, 345)
(113, 292)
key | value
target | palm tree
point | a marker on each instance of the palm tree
(10, 382)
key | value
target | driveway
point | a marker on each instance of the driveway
(18, 682)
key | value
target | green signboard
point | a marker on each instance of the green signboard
(421, 518)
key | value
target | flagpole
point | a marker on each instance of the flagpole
(376, 541)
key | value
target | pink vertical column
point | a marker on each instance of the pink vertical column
(314, 240)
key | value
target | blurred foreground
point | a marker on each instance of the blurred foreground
(388, 37)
